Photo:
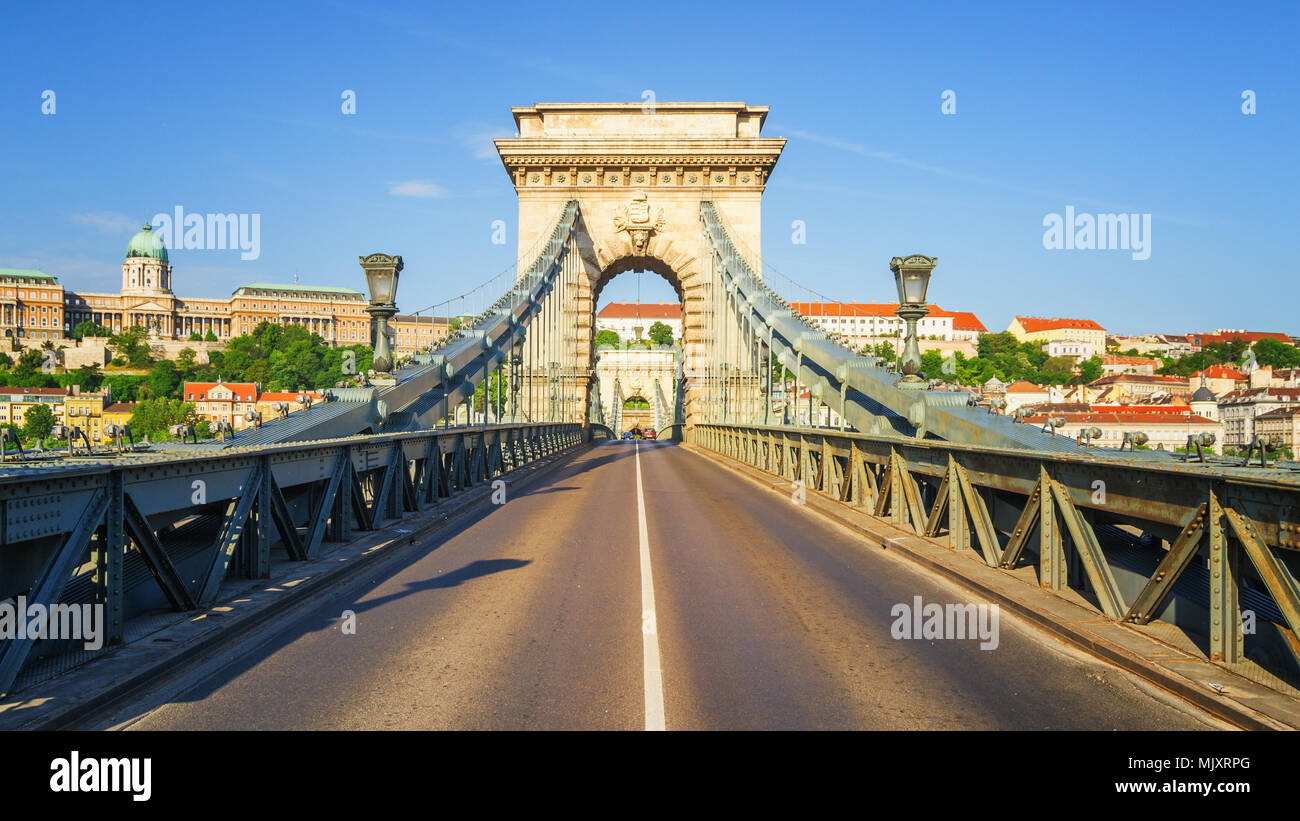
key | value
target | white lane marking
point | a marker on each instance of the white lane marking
(654, 676)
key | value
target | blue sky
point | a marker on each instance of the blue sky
(1108, 107)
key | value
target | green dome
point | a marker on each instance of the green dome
(147, 244)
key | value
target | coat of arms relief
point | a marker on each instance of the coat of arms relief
(637, 220)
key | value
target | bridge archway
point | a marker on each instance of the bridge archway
(639, 175)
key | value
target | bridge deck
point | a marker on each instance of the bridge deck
(766, 616)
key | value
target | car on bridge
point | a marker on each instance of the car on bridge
(627, 434)
(650, 434)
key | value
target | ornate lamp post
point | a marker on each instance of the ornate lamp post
(381, 279)
(912, 276)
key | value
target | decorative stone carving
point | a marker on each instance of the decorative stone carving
(637, 220)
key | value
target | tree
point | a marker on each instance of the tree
(885, 351)
(154, 416)
(209, 336)
(88, 328)
(1057, 370)
(990, 345)
(186, 362)
(124, 387)
(88, 377)
(607, 337)
(131, 346)
(661, 334)
(489, 387)
(1277, 354)
(932, 364)
(38, 421)
(6, 361)
(1090, 370)
(33, 371)
(164, 379)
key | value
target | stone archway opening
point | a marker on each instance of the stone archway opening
(638, 379)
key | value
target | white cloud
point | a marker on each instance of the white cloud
(80, 271)
(480, 141)
(110, 222)
(416, 188)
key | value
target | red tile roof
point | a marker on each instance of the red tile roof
(120, 407)
(644, 310)
(1290, 411)
(243, 391)
(1139, 377)
(11, 391)
(1021, 386)
(1143, 409)
(1119, 359)
(285, 396)
(961, 320)
(1220, 372)
(1264, 394)
(1033, 324)
(1246, 336)
(967, 321)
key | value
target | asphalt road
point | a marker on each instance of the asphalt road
(534, 616)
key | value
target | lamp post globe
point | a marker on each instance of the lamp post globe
(912, 278)
(382, 271)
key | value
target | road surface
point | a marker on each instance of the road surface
(548, 612)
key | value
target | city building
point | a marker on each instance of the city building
(293, 400)
(1112, 364)
(69, 406)
(118, 413)
(1083, 337)
(1076, 349)
(1226, 335)
(337, 315)
(1203, 402)
(222, 401)
(632, 320)
(1176, 346)
(35, 306)
(408, 333)
(1220, 379)
(1282, 423)
(1132, 387)
(867, 323)
(1239, 409)
(1286, 378)
(1165, 430)
(1146, 344)
(14, 403)
(1021, 392)
(31, 304)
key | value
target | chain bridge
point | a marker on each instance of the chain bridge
(1196, 554)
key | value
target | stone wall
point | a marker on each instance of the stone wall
(95, 350)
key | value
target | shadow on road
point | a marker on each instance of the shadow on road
(326, 609)
(473, 570)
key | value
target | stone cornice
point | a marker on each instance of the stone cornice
(616, 160)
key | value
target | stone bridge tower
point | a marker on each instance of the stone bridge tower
(639, 172)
